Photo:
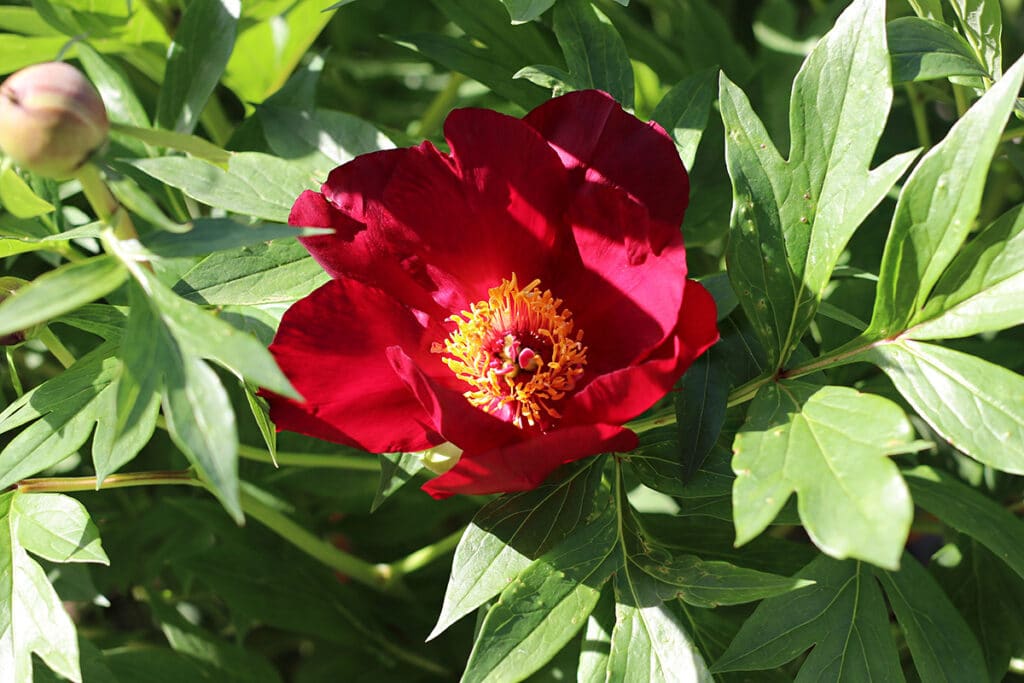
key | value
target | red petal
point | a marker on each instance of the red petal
(525, 465)
(454, 225)
(624, 297)
(331, 345)
(448, 411)
(622, 395)
(602, 143)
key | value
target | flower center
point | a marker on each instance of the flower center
(517, 352)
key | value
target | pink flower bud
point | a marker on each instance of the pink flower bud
(51, 119)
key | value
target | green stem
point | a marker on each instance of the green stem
(924, 138)
(342, 462)
(56, 347)
(424, 556)
(440, 106)
(658, 419)
(114, 481)
(106, 206)
(12, 369)
(962, 100)
(375, 576)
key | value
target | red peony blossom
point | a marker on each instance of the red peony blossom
(520, 297)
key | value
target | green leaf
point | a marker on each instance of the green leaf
(17, 198)
(936, 207)
(255, 184)
(968, 511)
(119, 98)
(58, 528)
(219, 234)
(522, 11)
(196, 60)
(597, 641)
(203, 334)
(710, 584)
(67, 408)
(927, 9)
(982, 22)
(989, 596)
(59, 291)
(509, 533)
(327, 138)
(479, 63)
(648, 642)
(190, 144)
(983, 288)
(545, 605)
(683, 112)
(396, 470)
(201, 422)
(279, 272)
(102, 320)
(792, 219)
(941, 642)
(923, 50)
(973, 404)
(830, 446)
(32, 618)
(843, 616)
(700, 409)
(594, 51)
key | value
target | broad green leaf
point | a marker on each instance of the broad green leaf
(522, 11)
(103, 320)
(792, 219)
(201, 333)
(545, 605)
(843, 616)
(830, 446)
(202, 424)
(983, 288)
(923, 50)
(710, 584)
(65, 409)
(219, 234)
(941, 642)
(597, 641)
(326, 138)
(989, 596)
(59, 291)
(509, 533)
(254, 185)
(936, 207)
(192, 145)
(17, 198)
(978, 407)
(267, 52)
(982, 22)
(968, 511)
(196, 60)
(111, 450)
(32, 618)
(58, 528)
(593, 50)
(700, 409)
(479, 63)
(279, 272)
(648, 642)
(121, 103)
(396, 470)
(683, 112)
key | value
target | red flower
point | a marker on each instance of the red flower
(520, 297)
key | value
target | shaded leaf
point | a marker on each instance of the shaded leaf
(683, 112)
(593, 50)
(923, 50)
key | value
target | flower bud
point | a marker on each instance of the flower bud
(51, 119)
(8, 285)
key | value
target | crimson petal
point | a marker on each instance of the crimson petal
(331, 345)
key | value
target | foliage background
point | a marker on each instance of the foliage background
(657, 573)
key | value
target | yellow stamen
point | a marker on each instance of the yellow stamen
(517, 352)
